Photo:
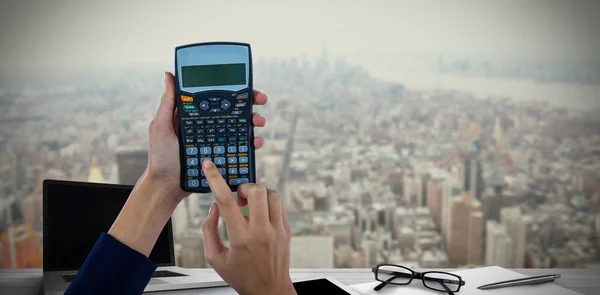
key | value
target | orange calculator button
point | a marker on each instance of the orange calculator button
(185, 98)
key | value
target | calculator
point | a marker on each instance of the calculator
(214, 102)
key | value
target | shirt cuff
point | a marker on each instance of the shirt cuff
(113, 268)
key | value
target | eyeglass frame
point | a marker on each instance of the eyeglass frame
(417, 275)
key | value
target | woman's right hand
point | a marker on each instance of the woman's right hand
(258, 259)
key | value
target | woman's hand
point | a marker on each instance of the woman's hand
(163, 153)
(258, 259)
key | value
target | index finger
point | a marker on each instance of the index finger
(227, 203)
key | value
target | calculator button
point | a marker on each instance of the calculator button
(193, 183)
(188, 123)
(199, 122)
(222, 139)
(220, 121)
(243, 160)
(214, 99)
(242, 95)
(225, 104)
(205, 183)
(189, 140)
(231, 149)
(191, 151)
(243, 138)
(236, 112)
(240, 104)
(233, 138)
(192, 161)
(210, 121)
(243, 120)
(219, 160)
(189, 131)
(211, 130)
(232, 160)
(232, 130)
(219, 150)
(186, 98)
(221, 130)
(232, 170)
(190, 107)
(201, 140)
(211, 139)
(243, 129)
(199, 131)
(205, 150)
(231, 121)
(238, 181)
(243, 148)
(223, 171)
(204, 105)
(244, 170)
(203, 159)
(192, 172)
(215, 110)
(194, 114)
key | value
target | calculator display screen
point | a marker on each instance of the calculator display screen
(213, 75)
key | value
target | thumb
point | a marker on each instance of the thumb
(214, 250)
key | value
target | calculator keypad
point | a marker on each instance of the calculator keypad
(216, 128)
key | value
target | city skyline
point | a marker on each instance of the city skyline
(413, 132)
(428, 166)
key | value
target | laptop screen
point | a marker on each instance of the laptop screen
(76, 213)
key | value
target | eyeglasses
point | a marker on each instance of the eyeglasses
(400, 275)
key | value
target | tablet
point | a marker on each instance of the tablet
(324, 285)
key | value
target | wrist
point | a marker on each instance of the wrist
(147, 210)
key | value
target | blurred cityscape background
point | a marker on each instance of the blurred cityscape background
(468, 151)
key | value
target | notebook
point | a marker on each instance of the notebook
(473, 278)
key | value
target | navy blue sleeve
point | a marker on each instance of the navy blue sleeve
(112, 268)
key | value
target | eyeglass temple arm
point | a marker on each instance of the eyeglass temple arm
(419, 276)
(380, 286)
(447, 289)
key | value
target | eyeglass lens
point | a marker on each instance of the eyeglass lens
(393, 275)
(435, 280)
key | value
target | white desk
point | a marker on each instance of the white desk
(29, 281)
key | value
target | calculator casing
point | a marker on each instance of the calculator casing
(247, 114)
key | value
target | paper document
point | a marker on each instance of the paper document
(473, 278)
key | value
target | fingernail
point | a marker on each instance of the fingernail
(212, 206)
(207, 163)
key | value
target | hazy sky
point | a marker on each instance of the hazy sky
(68, 33)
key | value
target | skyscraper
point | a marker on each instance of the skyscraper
(476, 176)
(413, 190)
(499, 246)
(512, 219)
(8, 175)
(435, 192)
(466, 242)
(451, 190)
(472, 174)
(132, 164)
(499, 136)
(95, 174)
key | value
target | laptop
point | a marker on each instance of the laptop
(76, 213)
